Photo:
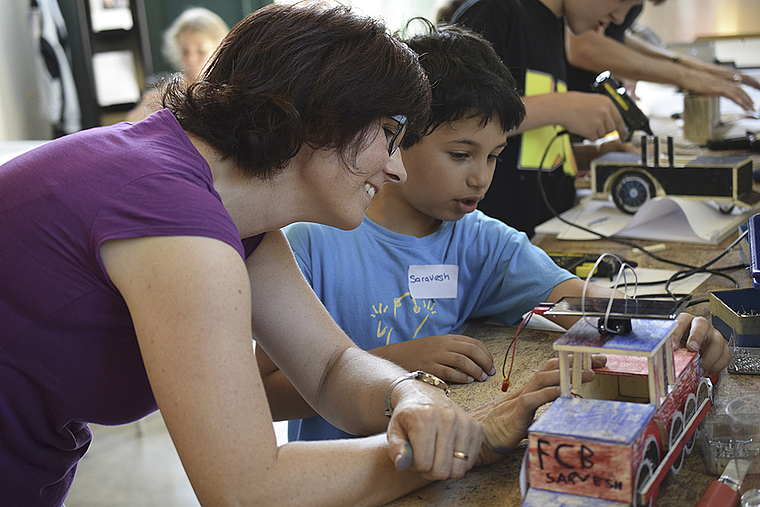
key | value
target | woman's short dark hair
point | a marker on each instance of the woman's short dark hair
(467, 77)
(305, 73)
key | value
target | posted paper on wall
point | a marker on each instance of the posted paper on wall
(110, 15)
(115, 77)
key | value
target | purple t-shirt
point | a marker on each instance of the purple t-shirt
(68, 351)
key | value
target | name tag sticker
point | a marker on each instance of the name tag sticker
(433, 281)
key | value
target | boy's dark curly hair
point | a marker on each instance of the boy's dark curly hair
(467, 78)
(289, 75)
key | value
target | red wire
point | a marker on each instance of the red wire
(505, 383)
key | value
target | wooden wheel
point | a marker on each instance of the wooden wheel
(704, 391)
(631, 190)
(643, 474)
(689, 411)
(652, 452)
(676, 430)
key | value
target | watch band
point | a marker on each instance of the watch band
(415, 375)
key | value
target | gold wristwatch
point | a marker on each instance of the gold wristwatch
(415, 375)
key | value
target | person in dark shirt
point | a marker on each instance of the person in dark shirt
(529, 36)
(633, 54)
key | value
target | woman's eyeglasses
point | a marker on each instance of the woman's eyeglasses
(395, 139)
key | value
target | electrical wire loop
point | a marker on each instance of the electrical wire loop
(606, 324)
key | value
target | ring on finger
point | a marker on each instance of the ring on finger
(461, 455)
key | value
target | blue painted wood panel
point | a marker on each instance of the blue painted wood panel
(645, 337)
(599, 420)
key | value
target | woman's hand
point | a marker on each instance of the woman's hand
(698, 335)
(427, 428)
(506, 420)
(450, 357)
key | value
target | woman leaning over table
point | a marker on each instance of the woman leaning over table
(139, 261)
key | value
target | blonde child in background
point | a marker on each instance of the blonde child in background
(190, 40)
(188, 44)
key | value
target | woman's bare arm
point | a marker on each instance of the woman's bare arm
(190, 299)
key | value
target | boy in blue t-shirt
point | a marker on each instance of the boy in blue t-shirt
(425, 260)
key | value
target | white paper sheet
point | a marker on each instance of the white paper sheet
(115, 77)
(110, 15)
(660, 219)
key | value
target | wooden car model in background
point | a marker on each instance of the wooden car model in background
(631, 180)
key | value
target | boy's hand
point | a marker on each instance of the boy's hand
(506, 420)
(698, 335)
(451, 357)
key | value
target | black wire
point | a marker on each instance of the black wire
(562, 219)
(680, 275)
(688, 268)
(732, 268)
(697, 301)
(661, 295)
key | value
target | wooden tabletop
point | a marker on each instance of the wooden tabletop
(498, 484)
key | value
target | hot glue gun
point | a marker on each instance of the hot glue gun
(632, 116)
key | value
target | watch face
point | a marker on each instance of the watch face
(431, 379)
(416, 375)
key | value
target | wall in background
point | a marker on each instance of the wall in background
(395, 13)
(21, 114)
(685, 20)
(673, 21)
(158, 16)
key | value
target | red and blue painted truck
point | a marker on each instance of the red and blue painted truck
(611, 442)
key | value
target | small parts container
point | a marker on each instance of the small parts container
(736, 314)
(715, 442)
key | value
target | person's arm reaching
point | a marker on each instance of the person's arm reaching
(725, 72)
(190, 300)
(590, 115)
(452, 358)
(285, 402)
(506, 420)
(639, 60)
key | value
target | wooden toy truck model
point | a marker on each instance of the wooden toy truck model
(613, 440)
(631, 181)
